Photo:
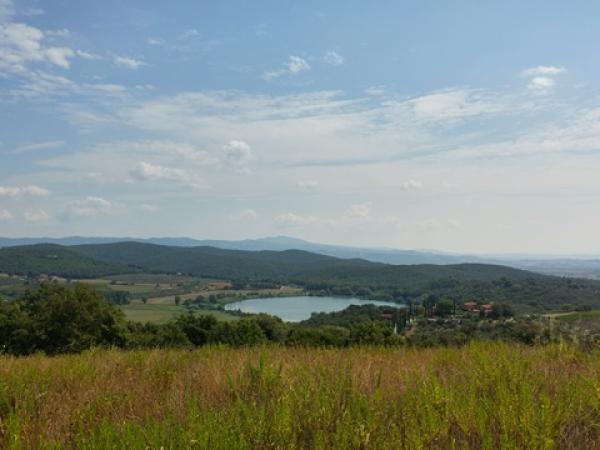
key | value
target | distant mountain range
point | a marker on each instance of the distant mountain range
(562, 266)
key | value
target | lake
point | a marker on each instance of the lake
(296, 309)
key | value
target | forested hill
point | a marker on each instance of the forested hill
(88, 261)
(51, 259)
(317, 273)
(281, 265)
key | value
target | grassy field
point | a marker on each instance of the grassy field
(481, 396)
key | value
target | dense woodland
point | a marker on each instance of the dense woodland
(318, 274)
(59, 318)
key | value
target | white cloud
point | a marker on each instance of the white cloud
(375, 91)
(4, 213)
(60, 56)
(87, 55)
(360, 211)
(237, 152)
(543, 71)
(297, 64)
(146, 171)
(244, 215)
(130, 63)
(9, 191)
(35, 191)
(308, 185)
(294, 220)
(12, 191)
(36, 216)
(410, 185)
(321, 127)
(542, 78)
(21, 44)
(333, 58)
(293, 66)
(90, 206)
(541, 84)
(450, 105)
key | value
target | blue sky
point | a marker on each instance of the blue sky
(462, 126)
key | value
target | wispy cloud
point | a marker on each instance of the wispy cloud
(290, 219)
(244, 215)
(130, 63)
(38, 215)
(13, 191)
(89, 207)
(293, 66)
(542, 78)
(543, 71)
(333, 58)
(410, 185)
(238, 152)
(308, 185)
(541, 84)
(36, 146)
(146, 171)
(88, 55)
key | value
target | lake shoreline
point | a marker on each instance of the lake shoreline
(299, 308)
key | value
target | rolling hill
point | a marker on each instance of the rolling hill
(317, 273)
(574, 266)
(50, 259)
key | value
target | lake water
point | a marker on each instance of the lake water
(296, 309)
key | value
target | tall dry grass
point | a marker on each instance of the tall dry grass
(486, 395)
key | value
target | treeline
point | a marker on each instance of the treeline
(535, 294)
(58, 319)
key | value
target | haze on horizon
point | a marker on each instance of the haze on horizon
(466, 127)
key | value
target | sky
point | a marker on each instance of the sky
(465, 126)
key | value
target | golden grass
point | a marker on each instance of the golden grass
(486, 395)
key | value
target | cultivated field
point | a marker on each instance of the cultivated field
(486, 395)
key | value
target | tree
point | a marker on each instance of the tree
(118, 297)
(62, 319)
(444, 308)
(197, 328)
(243, 332)
(177, 300)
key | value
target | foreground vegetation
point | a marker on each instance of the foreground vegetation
(484, 395)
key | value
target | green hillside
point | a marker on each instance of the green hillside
(317, 273)
(328, 275)
(49, 259)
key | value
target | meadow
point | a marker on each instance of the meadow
(483, 395)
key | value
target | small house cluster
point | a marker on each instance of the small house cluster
(475, 308)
